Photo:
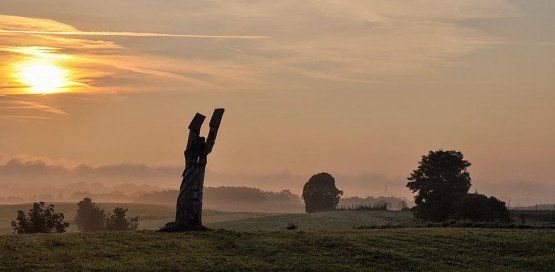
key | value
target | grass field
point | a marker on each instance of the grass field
(436, 249)
(259, 242)
(320, 221)
(152, 217)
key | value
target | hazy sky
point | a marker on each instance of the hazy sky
(355, 88)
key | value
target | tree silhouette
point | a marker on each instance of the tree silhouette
(478, 207)
(90, 217)
(118, 222)
(40, 219)
(320, 193)
(440, 181)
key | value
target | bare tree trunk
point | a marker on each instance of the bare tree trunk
(188, 215)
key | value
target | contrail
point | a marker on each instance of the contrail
(130, 34)
(503, 42)
(15, 117)
(234, 49)
(25, 103)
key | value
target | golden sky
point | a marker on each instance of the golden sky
(353, 87)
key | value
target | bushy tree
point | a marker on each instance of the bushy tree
(320, 193)
(90, 217)
(40, 219)
(118, 222)
(480, 208)
(440, 181)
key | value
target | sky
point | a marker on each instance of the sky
(359, 89)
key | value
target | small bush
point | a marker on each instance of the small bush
(292, 226)
(118, 222)
(40, 219)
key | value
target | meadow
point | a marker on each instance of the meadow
(409, 249)
(240, 241)
(152, 217)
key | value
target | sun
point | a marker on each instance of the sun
(42, 76)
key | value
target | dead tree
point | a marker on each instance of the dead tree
(188, 214)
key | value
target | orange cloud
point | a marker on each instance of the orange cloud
(105, 66)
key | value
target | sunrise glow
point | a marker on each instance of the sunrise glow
(42, 76)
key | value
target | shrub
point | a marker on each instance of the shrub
(118, 222)
(292, 226)
(40, 219)
(480, 208)
(90, 217)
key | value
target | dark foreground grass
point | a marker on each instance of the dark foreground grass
(438, 249)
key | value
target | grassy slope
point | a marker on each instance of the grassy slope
(150, 216)
(347, 250)
(154, 216)
(320, 221)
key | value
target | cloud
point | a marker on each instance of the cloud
(25, 165)
(36, 24)
(27, 108)
(19, 104)
(23, 117)
(519, 192)
(327, 44)
(105, 66)
(26, 25)
(100, 66)
(312, 43)
(130, 34)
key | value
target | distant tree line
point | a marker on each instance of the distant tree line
(321, 194)
(233, 199)
(390, 202)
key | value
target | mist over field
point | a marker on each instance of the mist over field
(26, 179)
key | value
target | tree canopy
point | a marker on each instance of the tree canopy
(440, 181)
(320, 193)
(118, 222)
(90, 217)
